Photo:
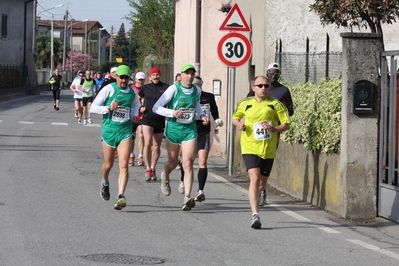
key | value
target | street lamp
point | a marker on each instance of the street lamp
(99, 46)
(85, 44)
(71, 41)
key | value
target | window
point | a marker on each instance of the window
(3, 24)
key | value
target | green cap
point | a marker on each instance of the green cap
(123, 70)
(187, 67)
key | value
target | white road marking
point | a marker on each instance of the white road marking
(278, 207)
(93, 125)
(26, 122)
(374, 248)
(59, 124)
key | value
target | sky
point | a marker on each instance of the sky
(108, 13)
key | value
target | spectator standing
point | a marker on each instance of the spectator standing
(265, 117)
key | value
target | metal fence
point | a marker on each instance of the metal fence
(309, 67)
(11, 76)
(43, 75)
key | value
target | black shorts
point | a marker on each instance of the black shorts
(135, 126)
(158, 125)
(254, 161)
(203, 142)
(87, 100)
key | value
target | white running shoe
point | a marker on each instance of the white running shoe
(90, 121)
(200, 197)
(76, 114)
(85, 122)
(256, 224)
(79, 121)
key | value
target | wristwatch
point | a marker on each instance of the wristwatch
(273, 129)
(109, 108)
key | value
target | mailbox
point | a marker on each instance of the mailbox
(364, 98)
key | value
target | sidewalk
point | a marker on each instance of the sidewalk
(219, 167)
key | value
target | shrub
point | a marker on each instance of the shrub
(316, 122)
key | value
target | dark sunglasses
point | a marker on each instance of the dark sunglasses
(262, 85)
(273, 74)
(124, 77)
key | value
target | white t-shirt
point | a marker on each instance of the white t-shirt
(78, 94)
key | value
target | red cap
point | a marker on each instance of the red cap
(155, 70)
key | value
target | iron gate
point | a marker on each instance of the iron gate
(388, 189)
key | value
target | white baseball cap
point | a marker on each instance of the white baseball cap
(113, 69)
(140, 75)
(273, 66)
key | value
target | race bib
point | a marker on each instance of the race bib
(206, 108)
(260, 133)
(187, 116)
(122, 114)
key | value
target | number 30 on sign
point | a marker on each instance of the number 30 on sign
(234, 49)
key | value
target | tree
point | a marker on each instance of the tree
(77, 61)
(43, 51)
(121, 45)
(153, 28)
(357, 13)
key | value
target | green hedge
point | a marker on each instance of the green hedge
(316, 122)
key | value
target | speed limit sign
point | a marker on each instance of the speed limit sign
(234, 49)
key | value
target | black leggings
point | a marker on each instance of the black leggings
(56, 94)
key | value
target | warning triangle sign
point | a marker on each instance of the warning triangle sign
(235, 21)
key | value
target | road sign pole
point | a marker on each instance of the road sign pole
(232, 106)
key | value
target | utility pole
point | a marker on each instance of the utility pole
(65, 38)
(52, 46)
(130, 49)
(110, 44)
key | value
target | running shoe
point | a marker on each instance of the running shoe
(153, 175)
(57, 108)
(147, 175)
(262, 198)
(200, 197)
(181, 187)
(188, 204)
(256, 224)
(140, 162)
(120, 203)
(104, 192)
(90, 121)
(79, 121)
(85, 122)
(76, 114)
(165, 187)
(131, 161)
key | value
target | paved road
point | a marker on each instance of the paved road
(51, 212)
